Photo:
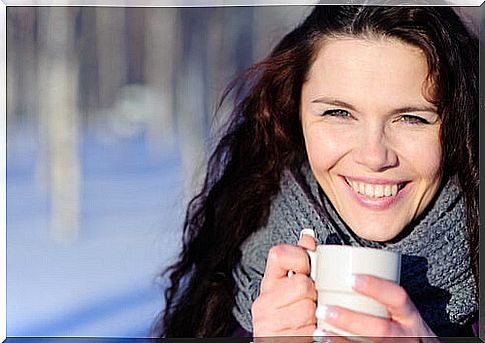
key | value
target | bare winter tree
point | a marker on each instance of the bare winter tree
(59, 122)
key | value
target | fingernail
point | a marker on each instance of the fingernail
(353, 280)
(319, 333)
(357, 281)
(326, 313)
(308, 232)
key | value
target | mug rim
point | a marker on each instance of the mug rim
(352, 247)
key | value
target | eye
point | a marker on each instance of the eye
(412, 119)
(336, 113)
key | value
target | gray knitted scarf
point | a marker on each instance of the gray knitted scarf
(435, 267)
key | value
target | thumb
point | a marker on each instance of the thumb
(307, 239)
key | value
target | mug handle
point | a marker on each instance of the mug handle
(312, 255)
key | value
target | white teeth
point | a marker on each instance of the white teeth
(354, 185)
(375, 191)
(378, 191)
(394, 190)
(387, 191)
(369, 190)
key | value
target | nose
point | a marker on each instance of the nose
(374, 151)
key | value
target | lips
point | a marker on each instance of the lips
(381, 189)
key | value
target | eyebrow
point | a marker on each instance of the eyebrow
(334, 102)
(339, 103)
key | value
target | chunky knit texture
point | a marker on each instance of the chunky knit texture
(435, 269)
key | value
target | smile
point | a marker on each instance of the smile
(375, 190)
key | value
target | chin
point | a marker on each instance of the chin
(377, 234)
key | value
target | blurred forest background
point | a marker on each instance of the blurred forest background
(109, 122)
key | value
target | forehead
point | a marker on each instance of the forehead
(353, 67)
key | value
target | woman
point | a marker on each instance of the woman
(361, 125)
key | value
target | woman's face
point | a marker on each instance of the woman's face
(371, 136)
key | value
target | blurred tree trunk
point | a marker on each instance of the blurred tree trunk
(135, 43)
(110, 47)
(271, 23)
(59, 126)
(88, 67)
(22, 66)
(216, 43)
(229, 49)
(160, 42)
(191, 94)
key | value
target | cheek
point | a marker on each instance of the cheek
(324, 149)
(424, 156)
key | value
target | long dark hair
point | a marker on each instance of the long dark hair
(263, 138)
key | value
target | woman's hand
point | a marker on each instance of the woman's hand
(404, 321)
(286, 305)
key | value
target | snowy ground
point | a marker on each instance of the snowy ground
(103, 283)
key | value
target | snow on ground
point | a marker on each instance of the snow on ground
(103, 283)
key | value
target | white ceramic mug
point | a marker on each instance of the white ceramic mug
(332, 267)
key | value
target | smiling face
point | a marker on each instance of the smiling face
(371, 135)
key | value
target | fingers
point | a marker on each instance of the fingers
(286, 306)
(404, 320)
(307, 239)
(329, 337)
(297, 338)
(289, 290)
(355, 322)
(291, 319)
(388, 293)
(285, 257)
